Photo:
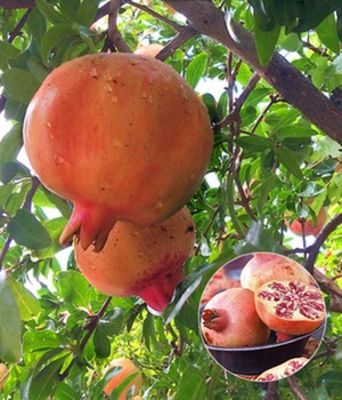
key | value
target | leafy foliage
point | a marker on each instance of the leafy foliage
(267, 163)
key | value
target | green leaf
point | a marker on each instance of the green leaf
(254, 144)
(196, 69)
(49, 12)
(29, 306)
(265, 188)
(66, 392)
(10, 324)
(38, 71)
(125, 383)
(42, 340)
(74, 288)
(27, 231)
(11, 144)
(7, 50)
(45, 382)
(36, 24)
(286, 157)
(20, 85)
(192, 385)
(101, 343)
(86, 12)
(53, 37)
(327, 33)
(54, 227)
(266, 43)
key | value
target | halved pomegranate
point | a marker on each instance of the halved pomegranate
(290, 307)
(230, 320)
(283, 370)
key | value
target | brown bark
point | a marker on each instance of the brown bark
(290, 83)
(14, 4)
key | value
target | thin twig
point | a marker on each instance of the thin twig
(16, 31)
(234, 114)
(113, 32)
(320, 239)
(244, 200)
(296, 388)
(183, 36)
(273, 100)
(148, 10)
(272, 392)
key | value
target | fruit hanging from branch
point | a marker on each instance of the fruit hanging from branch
(308, 226)
(122, 136)
(150, 50)
(290, 307)
(230, 320)
(128, 368)
(143, 261)
(283, 370)
(264, 267)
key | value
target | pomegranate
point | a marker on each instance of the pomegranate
(264, 267)
(309, 227)
(3, 375)
(150, 50)
(218, 283)
(230, 320)
(128, 368)
(281, 337)
(290, 307)
(145, 261)
(122, 136)
(283, 370)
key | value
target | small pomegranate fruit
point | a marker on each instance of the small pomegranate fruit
(290, 307)
(230, 320)
(309, 227)
(143, 261)
(283, 370)
(150, 50)
(128, 368)
(264, 267)
(3, 375)
(218, 283)
(122, 136)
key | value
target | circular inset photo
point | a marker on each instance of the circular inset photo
(262, 316)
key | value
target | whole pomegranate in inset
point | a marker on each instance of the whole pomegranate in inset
(290, 307)
(309, 227)
(264, 267)
(283, 370)
(230, 320)
(218, 283)
(122, 136)
(3, 375)
(150, 50)
(128, 368)
(144, 261)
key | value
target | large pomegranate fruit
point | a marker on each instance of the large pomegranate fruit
(309, 227)
(122, 136)
(145, 261)
(264, 267)
(290, 307)
(283, 370)
(128, 368)
(230, 320)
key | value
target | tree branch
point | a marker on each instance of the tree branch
(113, 32)
(15, 4)
(296, 388)
(321, 237)
(272, 392)
(293, 86)
(183, 36)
